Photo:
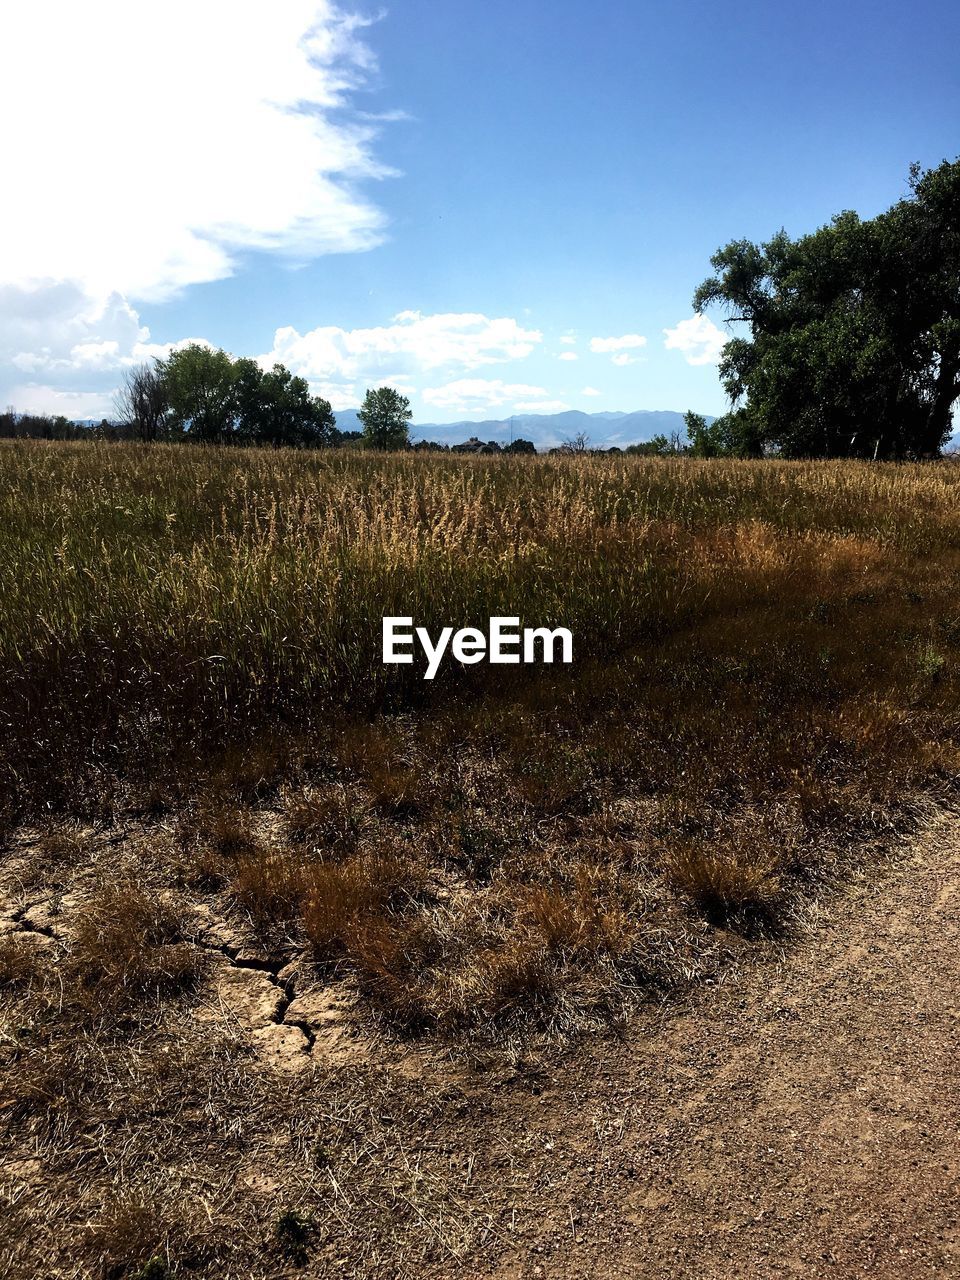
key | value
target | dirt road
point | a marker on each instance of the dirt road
(800, 1121)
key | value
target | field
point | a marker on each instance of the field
(275, 916)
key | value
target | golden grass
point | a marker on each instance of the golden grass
(765, 678)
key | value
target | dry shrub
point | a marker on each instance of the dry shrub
(129, 948)
(211, 840)
(253, 769)
(728, 879)
(53, 854)
(19, 962)
(582, 919)
(517, 978)
(222, 830)
(340, 899)
(392, 959)
(554, 776)
(331, 820)
(476, 847)
(268, 883)
(374, 753)
(131, 1239)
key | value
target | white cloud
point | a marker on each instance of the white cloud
(33, 397)
(193, 134)
(627, 341)
(622, 358)
(412, 342)
(698, 338)
(568, 355)
(569, 340)
(201, 130)
(57, 333)
(541, 406)
(591, 391)
(472, 395)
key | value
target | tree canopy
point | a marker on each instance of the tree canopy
(201, 393)
(854, 332)
(385, 416)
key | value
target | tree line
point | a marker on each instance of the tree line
(851, 348)
(201, 393)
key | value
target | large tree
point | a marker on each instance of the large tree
(200, 387)
(275, 408)
(385, 417)
(854, 331)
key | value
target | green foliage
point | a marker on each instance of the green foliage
(385, 416)
(293, 1231)
(217, 400)
(200, 382)
(275, 408)
(154, 1268)
(705, 441)
(854, 346)
(520, 446)
(658, 447)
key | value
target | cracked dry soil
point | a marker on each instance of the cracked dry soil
(799, 1119)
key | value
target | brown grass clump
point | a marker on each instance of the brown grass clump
(268, 883)
(376, 754)
(328, 820)
(727, 880)
(222, 830)
(579, 920)
(20, 965)
(211, 840)
(133, 1239)
(517, 979)
(128, 949)
(341, 899)
(54, 855)
(392, 959)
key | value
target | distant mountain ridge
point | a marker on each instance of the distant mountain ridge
(546, 430)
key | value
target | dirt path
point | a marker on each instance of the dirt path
(799, 1120)
(802, 1120)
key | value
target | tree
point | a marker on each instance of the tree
(200, 387)
(708, 439)
(275, 408)
(854, 331)
(576, 444)
(385, 416)
(141, 402)
(520, 446)
(656, 447)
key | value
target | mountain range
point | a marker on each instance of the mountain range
(546, 429)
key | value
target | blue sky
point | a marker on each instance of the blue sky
(500, 207)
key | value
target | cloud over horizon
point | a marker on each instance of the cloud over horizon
(475, 395)
(698, 339)
(412, 343)
(132, 192)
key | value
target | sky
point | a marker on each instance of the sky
(497, 206)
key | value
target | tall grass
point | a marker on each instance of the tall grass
(764, 679)
(155, 599)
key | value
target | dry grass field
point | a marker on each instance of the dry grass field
(253, 879)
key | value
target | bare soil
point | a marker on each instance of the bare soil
(798, 1118)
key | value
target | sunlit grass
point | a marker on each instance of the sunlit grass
(764, 676)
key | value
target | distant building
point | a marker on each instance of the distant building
(473, 445)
